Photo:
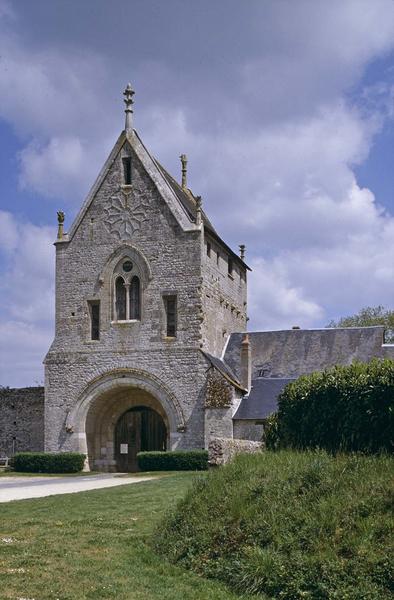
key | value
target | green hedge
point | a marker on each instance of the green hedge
(178, 460)
(341, 409)
(46, 462)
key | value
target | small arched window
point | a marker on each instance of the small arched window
(127, 291)
(120, 299)
(135, 298)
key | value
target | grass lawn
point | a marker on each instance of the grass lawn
(20, 474)
(79, 474)
(92, 545)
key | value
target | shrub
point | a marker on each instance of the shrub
(179, 460)
(341, 409)
(47, 462)
(289, 525)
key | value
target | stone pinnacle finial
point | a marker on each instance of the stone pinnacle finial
(242, 251)
(128, 100)
(183, 158)
(60, 224)
(198, 210)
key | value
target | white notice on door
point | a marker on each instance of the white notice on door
(124, 448)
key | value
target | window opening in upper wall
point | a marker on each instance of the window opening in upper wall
(170, 303)
(94, 310)
(126, 170)
(120, 299)
(135, 299)
(230, 266)
(208, 249)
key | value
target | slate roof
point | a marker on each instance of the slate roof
(294, 352)
(186, 198)
(263, 398)
(224, 369)
(188, 201)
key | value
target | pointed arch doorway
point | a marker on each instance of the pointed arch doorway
(139, 429)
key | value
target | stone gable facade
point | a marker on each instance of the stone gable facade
(134, 363)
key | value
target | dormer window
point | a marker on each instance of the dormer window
(126, 170)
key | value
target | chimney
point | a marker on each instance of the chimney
(246, 363)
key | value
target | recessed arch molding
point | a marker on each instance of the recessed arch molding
(123, 378)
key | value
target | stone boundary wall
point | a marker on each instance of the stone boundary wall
(223, 450)
(21, 420)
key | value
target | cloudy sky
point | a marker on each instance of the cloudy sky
(284, 107)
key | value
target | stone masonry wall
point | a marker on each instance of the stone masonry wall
(223, 297)
(181, 371)
(223, 450)
(21, 420)
(127, 219)
(174, 257)
(248, 429)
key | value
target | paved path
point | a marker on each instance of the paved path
(20, 488)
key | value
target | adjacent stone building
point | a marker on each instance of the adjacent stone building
(150, 350)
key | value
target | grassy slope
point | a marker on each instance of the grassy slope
(291, 525)
(92, 545)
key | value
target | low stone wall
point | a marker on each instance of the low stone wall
(248, 429)
(222, 450)
(21, 420)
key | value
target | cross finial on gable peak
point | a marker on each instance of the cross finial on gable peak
(128, 100)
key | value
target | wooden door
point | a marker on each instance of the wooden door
(138, 429)
(128, 441)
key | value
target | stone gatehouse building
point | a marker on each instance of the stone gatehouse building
(150, 350)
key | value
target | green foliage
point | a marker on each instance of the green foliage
(289, 525)
(271, 432)
(47, 462)
(368, 316)
(185, 460)
(347, 408)
(92, 546)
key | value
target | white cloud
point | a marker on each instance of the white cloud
(272, 140)
(8, 231)
(27, 290)
(275, 302)
(55, 169)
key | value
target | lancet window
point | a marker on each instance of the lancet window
(127, 292)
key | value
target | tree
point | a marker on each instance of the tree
(370, 315)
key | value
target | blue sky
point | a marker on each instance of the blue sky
(285, 110)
